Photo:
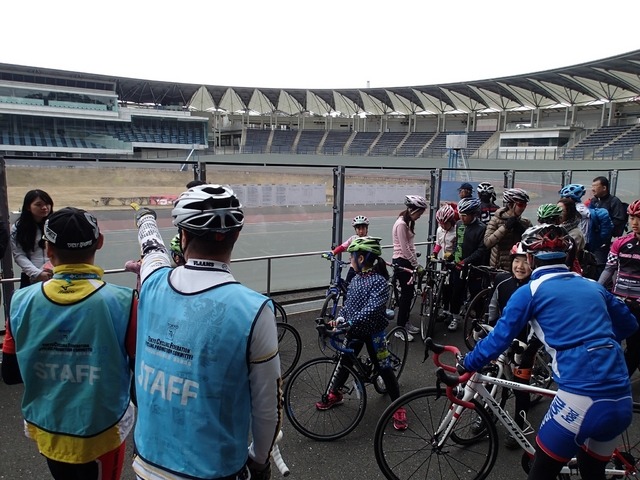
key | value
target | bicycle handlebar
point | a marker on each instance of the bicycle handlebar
(334, 335)
(448, 374)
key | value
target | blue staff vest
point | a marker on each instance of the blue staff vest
(73, 359)
(192, 377)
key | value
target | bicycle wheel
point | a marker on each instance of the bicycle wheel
(398, 349)
(281, 315)
(477, 309)
(289, 348)
(626, 457)
(541, 375)
(415, 453)
(428, 314)
(307, 385)
(328, 312)
(394, 293)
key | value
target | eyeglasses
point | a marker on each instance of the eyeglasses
(521, 204)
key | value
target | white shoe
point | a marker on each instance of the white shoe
(411, 328)
(453, 326)
(404, 335)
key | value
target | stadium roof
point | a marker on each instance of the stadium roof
(613, 79)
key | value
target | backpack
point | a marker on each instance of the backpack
(622, 229)
(600, 228)
(589, 265)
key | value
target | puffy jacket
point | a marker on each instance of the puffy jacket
(500, 239)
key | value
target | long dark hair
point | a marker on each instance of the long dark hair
(406, 217)
(26, 226)
(572, 212)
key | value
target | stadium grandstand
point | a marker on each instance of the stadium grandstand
(588, 111)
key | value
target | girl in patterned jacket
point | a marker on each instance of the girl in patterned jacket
(364, 312)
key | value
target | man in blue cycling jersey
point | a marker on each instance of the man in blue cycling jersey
(581, 325)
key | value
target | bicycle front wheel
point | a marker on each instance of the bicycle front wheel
(328, 312)
(289, 348)
(477, 309)
(398, 349)
(421, 452)
(281, 314)
(428, 314)
(310, 384)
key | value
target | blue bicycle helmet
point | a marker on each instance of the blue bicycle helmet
(574, 191)
(469, 205)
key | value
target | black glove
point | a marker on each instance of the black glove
(512, 222)
(259, 472)
(460, 365)
(143, 212)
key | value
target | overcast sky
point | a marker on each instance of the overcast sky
(313, 44)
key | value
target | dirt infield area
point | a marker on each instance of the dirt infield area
(112, 187)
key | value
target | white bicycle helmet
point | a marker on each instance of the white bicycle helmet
(208, 208)
(485, 188)
(359, 220)
(515, 195)
(415, 201)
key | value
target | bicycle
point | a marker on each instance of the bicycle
(336, 294)
(312, 381)
(430, 288)
(441, 443)
(478, 307)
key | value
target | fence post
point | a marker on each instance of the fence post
(338, 209)
(509, 179)
(613, 181)
(434, 203)
(566, 177)
(7, 259)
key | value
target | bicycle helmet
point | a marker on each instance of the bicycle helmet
(485, 188)
(445, 213)
(469, 205)
(546, 241)
(415, 201)
(366, 245)
(549, 211)
(574, 191)
(208, 208)
(517, 250)
(515, 195)
(359, 220)
(175, 246)
(634, 209)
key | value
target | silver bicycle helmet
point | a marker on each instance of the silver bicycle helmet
(515, 195)
(415, 201)
(359, 220)
(469, 205)
(208, 208)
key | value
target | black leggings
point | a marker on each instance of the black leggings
(407, 290)
(545, 468)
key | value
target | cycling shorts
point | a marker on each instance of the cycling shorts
(107, 467)
(578, 421)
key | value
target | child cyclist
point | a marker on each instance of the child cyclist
(360, 224)
(364, 312)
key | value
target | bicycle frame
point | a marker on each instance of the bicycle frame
(474, 387)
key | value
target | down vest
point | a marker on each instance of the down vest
(500, 239)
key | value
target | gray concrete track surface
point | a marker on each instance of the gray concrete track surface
(349, 457)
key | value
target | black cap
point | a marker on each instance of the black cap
(465, 186)
(71, 229)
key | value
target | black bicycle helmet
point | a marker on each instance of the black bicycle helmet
(546, 241)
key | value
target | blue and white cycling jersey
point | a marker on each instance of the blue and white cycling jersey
(581, 325)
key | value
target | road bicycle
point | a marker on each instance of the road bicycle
(477, 309)
(314, 380)
(430, 288)
(336, 293)
(442, 443)
(289, 341)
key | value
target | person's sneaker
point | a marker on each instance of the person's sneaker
(453, 326)
(412, 329)
(400, 419)
(510, 442)
(404, 335)
(333, 400)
